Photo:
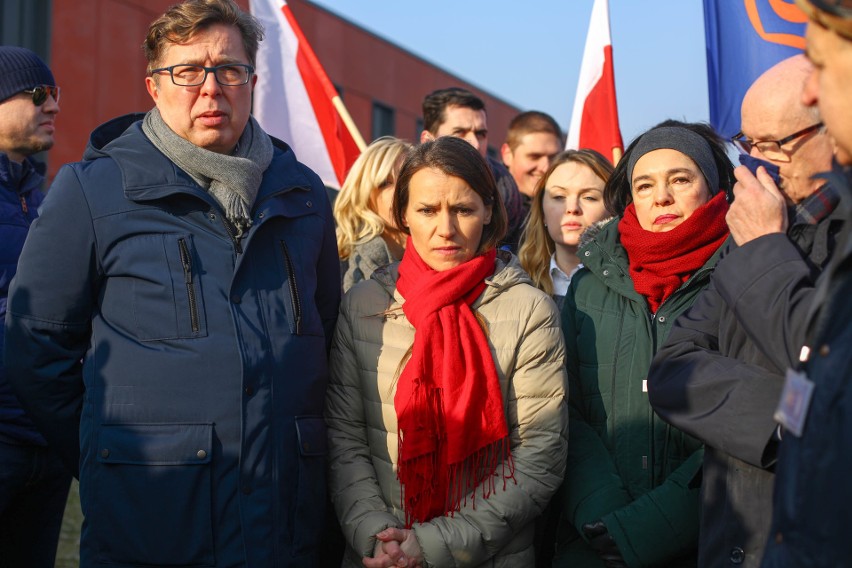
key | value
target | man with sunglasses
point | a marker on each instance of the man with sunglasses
(721, 372)
(33, 481)
(172, 315)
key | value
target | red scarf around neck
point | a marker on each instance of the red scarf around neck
(449, 406)
(661, 262)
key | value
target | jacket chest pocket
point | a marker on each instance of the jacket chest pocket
(155, 288)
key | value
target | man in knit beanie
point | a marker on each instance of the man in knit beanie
(33, 481)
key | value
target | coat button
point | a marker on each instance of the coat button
(249, 391)
(737, 555)
(661, 319)
(104, 453)
(309, 203)
(606, 272)
(235, 298)
(201, 454)
(260, 215)
(587, 253)
(824, 350)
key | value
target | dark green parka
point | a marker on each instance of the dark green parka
(626, 467)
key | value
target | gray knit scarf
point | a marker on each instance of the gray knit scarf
(232, 179)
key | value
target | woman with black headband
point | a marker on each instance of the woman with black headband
(629, 497)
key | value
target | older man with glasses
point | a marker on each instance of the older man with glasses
(172, 315)
(33, 481)
(720, 374)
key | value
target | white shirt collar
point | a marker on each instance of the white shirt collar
(559, 278)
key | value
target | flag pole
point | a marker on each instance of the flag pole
(350, 124)
(616, 155)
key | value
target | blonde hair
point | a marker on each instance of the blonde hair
(357, 222)
(536, 244)
(837, 23)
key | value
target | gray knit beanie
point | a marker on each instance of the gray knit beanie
(20, 70)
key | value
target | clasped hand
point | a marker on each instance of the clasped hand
(395, 547)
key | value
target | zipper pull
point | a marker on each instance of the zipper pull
(24, 207)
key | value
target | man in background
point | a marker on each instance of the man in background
(458, 112)
(33, 482)
(532, 141)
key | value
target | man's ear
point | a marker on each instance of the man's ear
(506, 153)
(426, 136)
(151, 86)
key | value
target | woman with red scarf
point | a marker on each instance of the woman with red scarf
(630, 496)
(447, 407)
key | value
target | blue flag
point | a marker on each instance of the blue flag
(744, 39)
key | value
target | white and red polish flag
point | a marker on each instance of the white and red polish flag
(295, 101)
(594, 122)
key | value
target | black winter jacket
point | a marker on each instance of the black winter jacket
(720, 375)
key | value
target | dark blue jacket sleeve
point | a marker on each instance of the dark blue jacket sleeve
(769, 287)
(48, 323)
(723, 401)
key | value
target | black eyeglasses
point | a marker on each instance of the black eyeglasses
(229, 75)
(772, 149)
(40, 93)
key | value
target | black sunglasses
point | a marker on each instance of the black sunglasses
(40, 94)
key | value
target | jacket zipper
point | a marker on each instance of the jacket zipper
(294, 289)
(230, 230)
(186, 261)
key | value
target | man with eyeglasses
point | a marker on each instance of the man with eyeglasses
(721, 372)
(172, 315)
(33, 481)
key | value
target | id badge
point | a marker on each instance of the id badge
(795, 402)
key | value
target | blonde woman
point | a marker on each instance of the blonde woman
(568, 199)
(367, 236)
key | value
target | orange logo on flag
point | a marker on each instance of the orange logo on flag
(787, 11)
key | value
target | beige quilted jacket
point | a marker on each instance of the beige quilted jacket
(372, 337)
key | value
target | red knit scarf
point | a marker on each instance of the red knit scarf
(661, 262)
(448, 402)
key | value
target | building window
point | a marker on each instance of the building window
(383, 120)
(26, 23)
